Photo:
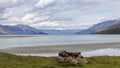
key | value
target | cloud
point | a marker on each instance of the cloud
(32, 18)
(64, 7)
(5, 9)
(9, 3)
(70, 13)
(29, 16)
(43, 3)
(57, 14)
(11, 21)
(58, 25)
(47, 24)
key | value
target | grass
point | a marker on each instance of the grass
(13, 61)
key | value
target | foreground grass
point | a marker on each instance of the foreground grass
(13, 61)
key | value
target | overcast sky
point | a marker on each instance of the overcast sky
(58, 14)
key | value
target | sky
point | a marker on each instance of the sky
(58, 14)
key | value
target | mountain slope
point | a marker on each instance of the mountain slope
(25, 29)
(19, 29)
(101, 27)
(115, 30)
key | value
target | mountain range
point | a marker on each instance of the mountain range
(61, 32)
(28, 30)
(103, 26)
(19, 29)
(106, 27)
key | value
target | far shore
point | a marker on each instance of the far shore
(58, 48)
(16, 36)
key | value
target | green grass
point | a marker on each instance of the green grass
(13, 61)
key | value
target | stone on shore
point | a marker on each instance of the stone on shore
(73, 58)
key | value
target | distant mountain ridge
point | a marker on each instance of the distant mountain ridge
(19, 29)
(25, 29)
(108, 27)
(61, 32)
(101, 27)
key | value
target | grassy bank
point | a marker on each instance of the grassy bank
(13, 61)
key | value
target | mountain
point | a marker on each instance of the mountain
(19, 29)
(101, 27)
(115, 30)
(61, 32)
(25, 29)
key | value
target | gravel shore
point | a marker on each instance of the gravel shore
(58, 48)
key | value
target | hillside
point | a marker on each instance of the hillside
(115, 30)
(19, 29)
(101, 27)
(25, 29)
(13, 61)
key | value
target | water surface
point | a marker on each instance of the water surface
(48, 40)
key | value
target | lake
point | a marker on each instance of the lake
(48, 40)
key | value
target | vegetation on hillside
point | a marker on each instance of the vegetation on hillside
(110, 31)
(13, 61)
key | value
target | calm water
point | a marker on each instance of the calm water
(45, 40)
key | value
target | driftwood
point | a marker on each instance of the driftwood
(72, 57)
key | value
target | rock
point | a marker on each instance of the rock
(64, 59)
(82, 60)
(73, 57)
(74, 62)
(68, 59)
(61, 59)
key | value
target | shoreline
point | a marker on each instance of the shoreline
(16, 36)
(58, 48)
